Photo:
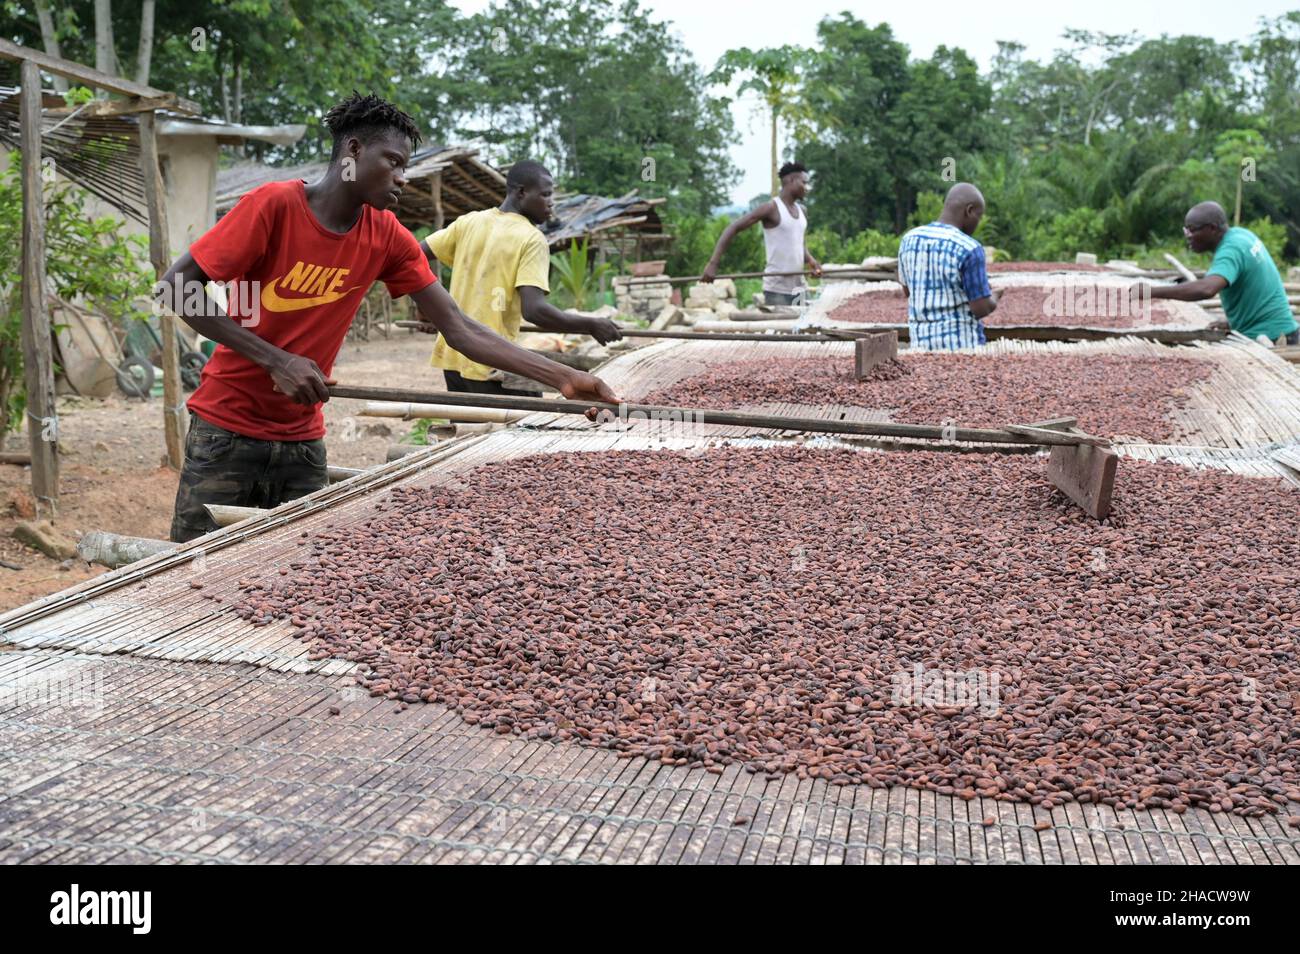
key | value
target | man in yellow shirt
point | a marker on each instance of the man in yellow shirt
(500, 265)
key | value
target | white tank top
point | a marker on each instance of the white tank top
(785, 250)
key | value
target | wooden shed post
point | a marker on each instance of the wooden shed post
(438, 215)
(174, 420)
(38, 358)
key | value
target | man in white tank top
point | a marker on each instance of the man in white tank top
(784, 225)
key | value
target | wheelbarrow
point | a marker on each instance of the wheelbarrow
(137, 374)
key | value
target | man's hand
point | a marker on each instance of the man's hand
(581, 386)
(604, 330)
(1219, 324)
(710, 272)
(815, 267)
(301, 380)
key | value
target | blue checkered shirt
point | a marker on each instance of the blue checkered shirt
(943, 269)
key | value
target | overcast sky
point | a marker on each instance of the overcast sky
(710, 27)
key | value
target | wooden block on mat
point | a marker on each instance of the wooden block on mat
(873, 350)
(1086, 474)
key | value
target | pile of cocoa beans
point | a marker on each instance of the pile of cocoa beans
(818, 612)
(1111, 395)
(1018, 306)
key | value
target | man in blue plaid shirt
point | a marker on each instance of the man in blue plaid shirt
(941, 268)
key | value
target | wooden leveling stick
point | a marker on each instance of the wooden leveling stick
(1081, 478)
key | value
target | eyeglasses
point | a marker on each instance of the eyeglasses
(1192, 231)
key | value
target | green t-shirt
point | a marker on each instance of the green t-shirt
(1254, 301)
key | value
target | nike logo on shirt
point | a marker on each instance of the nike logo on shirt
(321, 283)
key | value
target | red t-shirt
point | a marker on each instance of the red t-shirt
(297, 285)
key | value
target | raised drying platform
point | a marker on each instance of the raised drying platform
(1251, 400)
(153, 725)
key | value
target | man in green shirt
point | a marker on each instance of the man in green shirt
(1242, 273)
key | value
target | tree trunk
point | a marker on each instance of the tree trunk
(144, 56)
(105, 59)
(239, 88)
(225, 92)
(776, 182)
(51, 40)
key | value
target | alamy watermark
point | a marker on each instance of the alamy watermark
(1080, 296)
(75, 690)
(682, 423)
(191, 299)
(946, 689)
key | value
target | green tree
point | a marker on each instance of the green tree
(86, 259)
(777, 75)
(602, 93)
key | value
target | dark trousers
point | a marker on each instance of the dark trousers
(457, 382)
(222, 467)
(782, 298)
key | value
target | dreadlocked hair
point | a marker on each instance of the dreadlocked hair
(367, 118)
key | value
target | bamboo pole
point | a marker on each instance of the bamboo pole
(37, 341)
(865, 274)
(174, 420)
(706, 416)
(836, 334)
(113, 550)
(224, 515)
(468, 414)
(86, 76)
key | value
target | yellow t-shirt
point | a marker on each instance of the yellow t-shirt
(491, 253)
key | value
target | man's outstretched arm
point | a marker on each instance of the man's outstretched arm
(538, 311)
(1199, 290)
(440, 313)
(763, 213)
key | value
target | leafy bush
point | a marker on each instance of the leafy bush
(929, 205)
(827, 246)
(695, 236)
(1272, 235)
(1064, 234)
(85, 258)
(578, 279)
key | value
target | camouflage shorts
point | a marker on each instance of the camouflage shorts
(222, 467)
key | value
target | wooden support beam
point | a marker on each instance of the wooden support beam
(37, 341)
(88, 77)
(439, 217)
(471, 202)
(174, 420)
(102, 108)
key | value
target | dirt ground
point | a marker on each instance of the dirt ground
(112, 472)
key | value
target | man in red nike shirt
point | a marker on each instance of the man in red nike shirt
(299, 258)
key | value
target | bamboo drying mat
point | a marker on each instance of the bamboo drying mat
(1251, 399)
(148, 725)
(1184, 315)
